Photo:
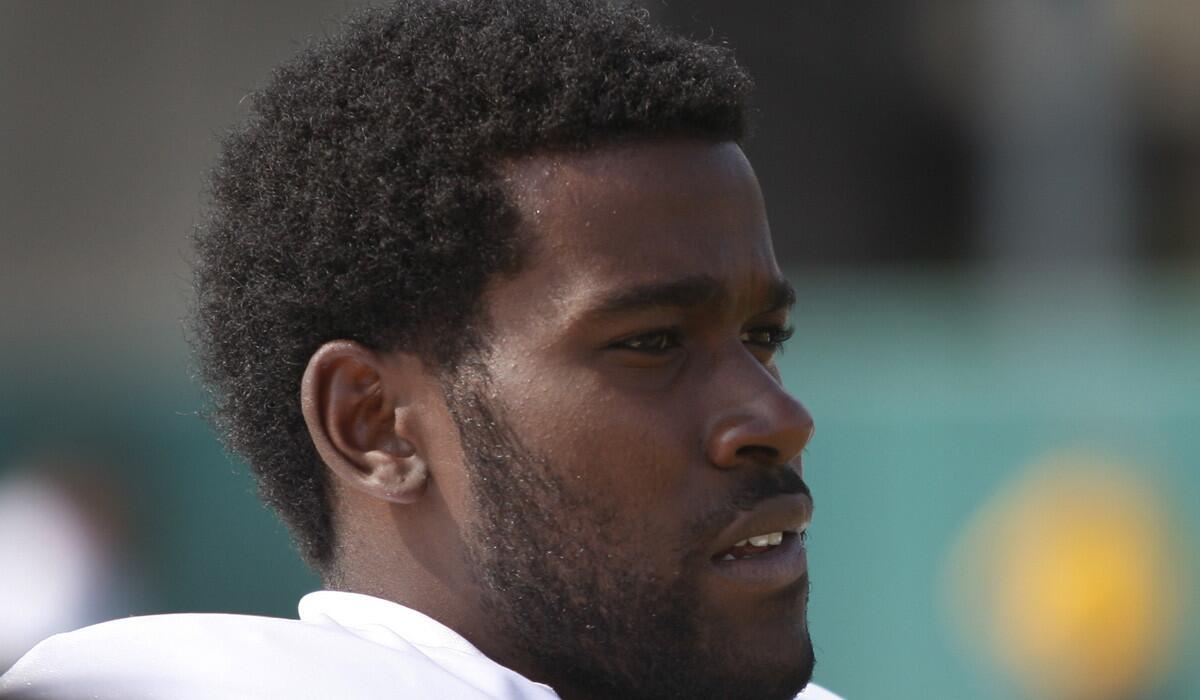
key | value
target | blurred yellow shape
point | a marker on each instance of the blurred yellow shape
(1070, 580)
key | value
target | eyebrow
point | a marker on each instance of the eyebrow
(687, 292)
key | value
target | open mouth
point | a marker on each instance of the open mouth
(755, 546)
(763, 550)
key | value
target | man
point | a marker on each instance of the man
(488, 301)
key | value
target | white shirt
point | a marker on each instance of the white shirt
(344, 645)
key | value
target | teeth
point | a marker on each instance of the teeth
(770, 539)
(760, 540)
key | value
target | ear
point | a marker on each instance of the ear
(360, 423)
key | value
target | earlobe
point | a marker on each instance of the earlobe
(359, 422)
(396, 477)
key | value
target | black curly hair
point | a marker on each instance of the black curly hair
(361, 199)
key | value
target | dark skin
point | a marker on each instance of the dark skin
(635, 353)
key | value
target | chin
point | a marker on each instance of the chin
(787, 667)
(779, 678)
(766, 651)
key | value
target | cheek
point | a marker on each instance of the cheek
(447, 463)
(639, 451)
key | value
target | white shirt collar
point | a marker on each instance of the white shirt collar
(375, 617)
(392, 624)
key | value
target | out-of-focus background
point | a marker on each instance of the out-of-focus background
(991, 212)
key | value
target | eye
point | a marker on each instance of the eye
(769, 338)
(653, 343)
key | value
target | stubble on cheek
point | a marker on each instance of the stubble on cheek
(557, 567)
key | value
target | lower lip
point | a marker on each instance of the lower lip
(775, 568)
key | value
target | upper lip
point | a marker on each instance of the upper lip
(779, 514)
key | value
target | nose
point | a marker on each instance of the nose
(764, 425)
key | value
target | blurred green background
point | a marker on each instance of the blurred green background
(988, 210)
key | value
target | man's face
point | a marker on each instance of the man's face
(626, 429)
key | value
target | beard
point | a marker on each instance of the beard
(559, 572)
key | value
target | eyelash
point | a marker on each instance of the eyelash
(776, 336)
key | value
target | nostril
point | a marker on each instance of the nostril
(765, 453)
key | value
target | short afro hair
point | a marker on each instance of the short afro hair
(361, 199)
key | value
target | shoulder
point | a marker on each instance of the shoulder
(193, 656)
(816, 692)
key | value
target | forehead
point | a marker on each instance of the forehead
(640, 214)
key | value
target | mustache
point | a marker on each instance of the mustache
(768, 483)
(753, 489)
